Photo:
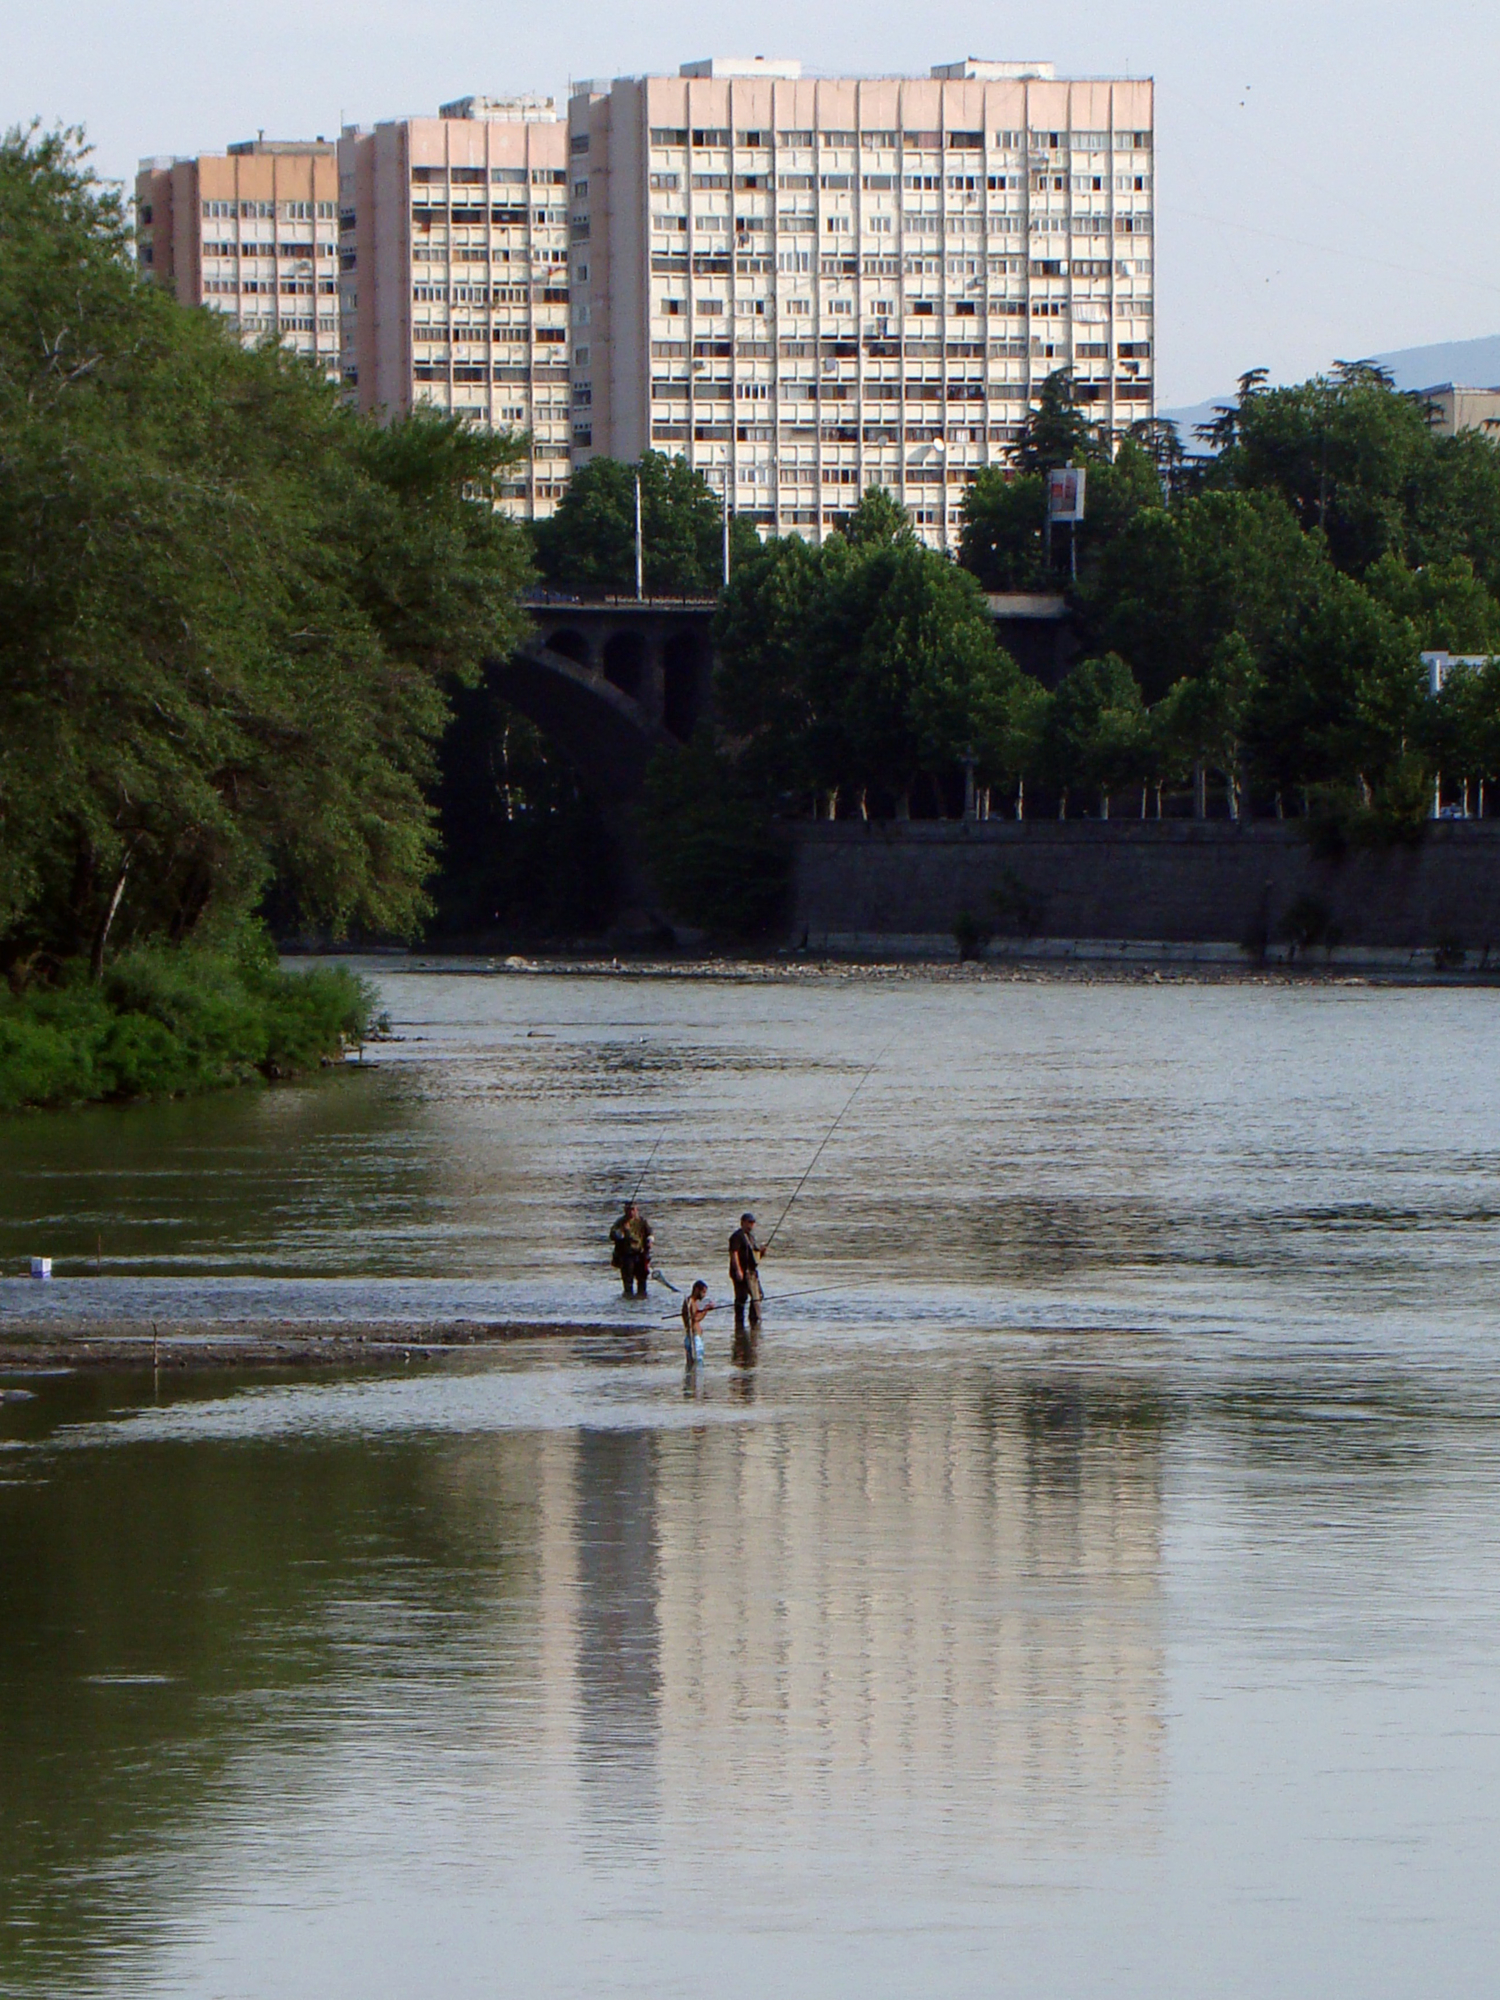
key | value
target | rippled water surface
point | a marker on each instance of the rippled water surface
(1091, 1586)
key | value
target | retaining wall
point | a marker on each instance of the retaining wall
(903, 886)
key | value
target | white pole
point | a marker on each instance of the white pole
(640, 565)
(726, 527)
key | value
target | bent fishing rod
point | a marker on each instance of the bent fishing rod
(826, 1137)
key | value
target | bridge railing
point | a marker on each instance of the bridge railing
(557, 600)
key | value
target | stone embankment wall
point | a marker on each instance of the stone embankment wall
(1185, 887)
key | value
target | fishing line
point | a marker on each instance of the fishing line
(826, 1137)
(647, 1168)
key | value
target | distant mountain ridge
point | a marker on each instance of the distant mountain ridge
(1474, 364)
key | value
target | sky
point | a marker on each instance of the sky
(1327, 172)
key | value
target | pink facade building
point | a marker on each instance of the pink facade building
(454, 281)
(812, 286)
(252, 234)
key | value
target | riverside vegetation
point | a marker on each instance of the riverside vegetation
(1252, 621)
(242, 632)
(231, 614)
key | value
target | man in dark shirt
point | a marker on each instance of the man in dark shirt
(744, 1273)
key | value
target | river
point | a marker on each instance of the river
(1093, 1586)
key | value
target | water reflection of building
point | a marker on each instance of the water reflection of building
(947, 1593)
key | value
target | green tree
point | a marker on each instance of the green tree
(1462, 733)
(1013, 745)
(1099, 733)
(716, 856)
(1344, 705)
(587, 547)
(228, 607)
(879, 518)
(1445, 601)
(1057, 432)
(1002, 538)
(768, 633)
(1176, 582)
(1202, 721)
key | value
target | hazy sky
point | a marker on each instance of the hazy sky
(1328, 172)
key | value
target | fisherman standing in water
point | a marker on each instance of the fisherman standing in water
(631, 1237)
(695, 1309)
(744, 1273)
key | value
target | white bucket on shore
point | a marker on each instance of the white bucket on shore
(41, 1267)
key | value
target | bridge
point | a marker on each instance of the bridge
(611, 680)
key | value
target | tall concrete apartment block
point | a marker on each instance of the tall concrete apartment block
(811, 286)
(251, 233)
(454, 287)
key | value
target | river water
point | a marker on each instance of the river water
(1093, 1586)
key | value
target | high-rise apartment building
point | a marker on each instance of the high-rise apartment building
(454, 284)
(251, 233)
(812, 286)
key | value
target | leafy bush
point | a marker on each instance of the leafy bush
(167, 1020)
(714, 850)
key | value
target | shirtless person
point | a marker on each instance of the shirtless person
(695, 1309)
(744, 1273)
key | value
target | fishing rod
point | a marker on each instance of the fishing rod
(778, 1299)
(826, 1137)
(676, 1318)
(647, 1168)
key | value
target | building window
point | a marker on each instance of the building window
(661, 135)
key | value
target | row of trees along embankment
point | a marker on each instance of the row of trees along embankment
(1251, 623)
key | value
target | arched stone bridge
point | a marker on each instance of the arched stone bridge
(612, 681)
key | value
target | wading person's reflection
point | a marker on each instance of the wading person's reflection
(744, 1353)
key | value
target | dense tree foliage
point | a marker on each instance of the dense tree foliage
(1252, 620)
(228, 606)
(526, 850)
(859, 668)
(587, 548)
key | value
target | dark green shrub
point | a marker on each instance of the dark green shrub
(718, 859)
(170, 1019)
(970, 935)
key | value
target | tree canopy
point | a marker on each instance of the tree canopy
(861, 666)
(587, 547)
(228, 606)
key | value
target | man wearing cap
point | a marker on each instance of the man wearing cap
(744, 1273)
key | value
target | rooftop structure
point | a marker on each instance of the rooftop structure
(1452, 409)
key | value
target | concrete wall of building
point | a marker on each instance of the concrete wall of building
(887, 885)
(1453, 408)
(454, 295)
(209, 259)
(770, 265)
